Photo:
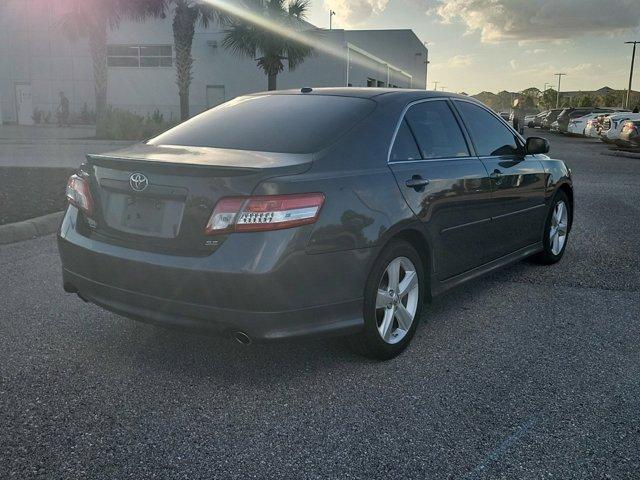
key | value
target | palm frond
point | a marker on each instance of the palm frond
(248, 39)
(242, 40)
(299, 9)
(141, 10)
(208, 14)
(297, 54)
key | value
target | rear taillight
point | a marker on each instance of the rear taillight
(79, 194)
(259, 213)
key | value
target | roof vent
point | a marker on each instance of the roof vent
(306, 90)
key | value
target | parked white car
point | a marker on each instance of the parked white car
(592, 129)
(578, 126)
(612, 125)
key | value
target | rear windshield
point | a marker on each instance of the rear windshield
(271, 123)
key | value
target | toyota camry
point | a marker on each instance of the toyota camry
(334, 211)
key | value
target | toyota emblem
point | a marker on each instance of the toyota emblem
(138, 182)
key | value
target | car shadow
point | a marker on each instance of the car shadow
(183, 354)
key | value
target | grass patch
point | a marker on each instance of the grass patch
(117, 124)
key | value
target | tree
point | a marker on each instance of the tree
(266, 46)
(532, 92)
(548, 99)
(91, 19)
(613, 99)
(586, 101)
(505, 100)
(187, 14)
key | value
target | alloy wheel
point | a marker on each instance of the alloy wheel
(558, 229)
(397, 300)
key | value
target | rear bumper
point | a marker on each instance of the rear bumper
(337, 319)
(255, 283)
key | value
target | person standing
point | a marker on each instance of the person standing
(518, 116)
(63, 111)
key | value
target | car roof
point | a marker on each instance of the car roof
(622, 114)
(379, 94)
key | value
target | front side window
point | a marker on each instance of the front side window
(490, 136)
(436, 130)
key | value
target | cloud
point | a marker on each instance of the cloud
(459, 61)
(524, 20)
(545, 71)
(350, 13)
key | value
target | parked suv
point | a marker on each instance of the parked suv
(313, 212)
(537, 121)
(551, 117)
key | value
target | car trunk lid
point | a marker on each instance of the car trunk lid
(160, 197)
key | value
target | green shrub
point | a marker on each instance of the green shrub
(117, 124)
(87, 117)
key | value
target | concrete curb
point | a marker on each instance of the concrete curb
(32, 228)
(622, 154)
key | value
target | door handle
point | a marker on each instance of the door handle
(417, 183)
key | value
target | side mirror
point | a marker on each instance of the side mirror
(537, 145)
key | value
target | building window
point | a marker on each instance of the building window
(139, 56)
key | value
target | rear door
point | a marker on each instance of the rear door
(517, 180)
(444, 184)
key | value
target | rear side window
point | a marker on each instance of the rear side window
(271, 123)
(436, 130)
(490, 136)
(405, 147)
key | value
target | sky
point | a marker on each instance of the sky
(493, 45)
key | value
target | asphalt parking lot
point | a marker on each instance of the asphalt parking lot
(533, 372)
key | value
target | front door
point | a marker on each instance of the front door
(446, 187)
(24, 104)
(517, 181)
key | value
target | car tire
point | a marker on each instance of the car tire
(387, 331)
(556, 230)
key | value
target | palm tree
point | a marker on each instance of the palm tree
(250, 40)
(91, 19)
(186, 15)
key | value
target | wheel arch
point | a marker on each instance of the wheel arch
(568, 191)
(418, 240)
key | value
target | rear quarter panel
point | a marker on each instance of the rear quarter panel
(363, 205)
(557, 174)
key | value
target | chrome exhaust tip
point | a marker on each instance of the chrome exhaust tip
(242, 338)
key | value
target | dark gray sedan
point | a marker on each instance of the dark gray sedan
(324, 211)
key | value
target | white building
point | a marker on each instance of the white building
(37, 61)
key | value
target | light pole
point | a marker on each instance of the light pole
(442, 89)
(633, 57)
(331, 14)
(435, 85)
(426, 63)
(545, 86)
(559, 75)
